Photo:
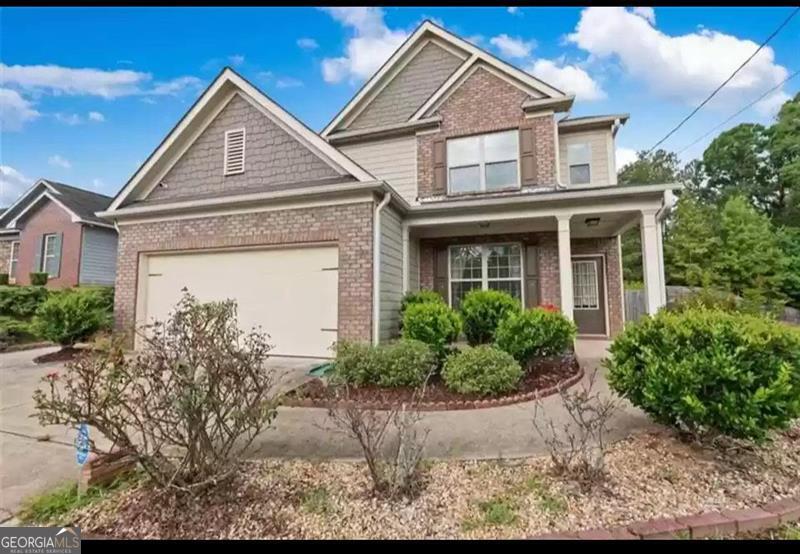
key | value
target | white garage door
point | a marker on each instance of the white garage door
(290, 293)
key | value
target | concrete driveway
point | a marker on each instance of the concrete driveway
(30, 465)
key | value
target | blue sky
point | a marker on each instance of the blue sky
(87, 93)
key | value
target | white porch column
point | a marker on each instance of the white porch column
(652, 262)
(565, 266)
(661, 273)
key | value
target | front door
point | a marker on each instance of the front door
(588, 284)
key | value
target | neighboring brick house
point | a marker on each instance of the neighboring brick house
(53, 228)
(448, 170)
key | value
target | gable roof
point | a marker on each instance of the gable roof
(203, 111)
(81, 204)
(473, 55)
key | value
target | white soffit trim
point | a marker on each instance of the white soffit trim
(227, 78)
(46, 194)
(24, 195)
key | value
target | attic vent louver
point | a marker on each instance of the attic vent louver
(234, 151)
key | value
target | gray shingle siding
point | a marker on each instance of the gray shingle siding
(391, 274)
(98, 256)
(272, 158)
(415, 83)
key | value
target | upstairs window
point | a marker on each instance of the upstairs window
(234, 151)
(579, 156)
(483, 163)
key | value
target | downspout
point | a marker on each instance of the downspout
(376, 267)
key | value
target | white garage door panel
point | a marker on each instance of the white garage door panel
(290, 293)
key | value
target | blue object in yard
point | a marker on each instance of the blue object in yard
(321, 370)
(82, 444)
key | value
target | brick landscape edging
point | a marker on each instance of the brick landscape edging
(441, 406)
(703, 525)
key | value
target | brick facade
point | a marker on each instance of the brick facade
(549, 283)
(482, 104)
(48, 217)
(349, 225)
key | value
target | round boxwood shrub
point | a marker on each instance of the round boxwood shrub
(71, 316)
(482, 311)
(534, 333)
(405, 363)
(418, 297)
(483, 370)
(710, 371)
(433, 323)
(38, 278)
(356, 363)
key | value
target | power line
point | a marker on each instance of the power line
(747, 107)
(720, 87)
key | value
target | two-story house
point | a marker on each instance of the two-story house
(449, 170)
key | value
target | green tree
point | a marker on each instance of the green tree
(789, 241)
(750, 262)
(692, 245)
(784, 144)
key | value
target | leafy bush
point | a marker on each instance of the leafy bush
(483, 310)
(188, 405)
(397, 364)
(419, 297)
(21, 302)
(707, 298)
(533, 333)
(710, 371)
(3, 279)
(38, 278)
(12, 330)
(435, 324)
(406, 363)
(483, 370)
(71, 316)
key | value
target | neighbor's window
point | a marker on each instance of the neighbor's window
(579, 156)
(483, 162)
(50, 256)
(584, 285)
(13, 260)
(491, 266)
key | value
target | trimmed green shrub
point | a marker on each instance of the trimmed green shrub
(406, 363)
(71, 316)
(3, 279)
(483, 310)
(38, 278)
(483, 370)
(402, 363)
(435, 324)
(707, 298)
(13, 330)
(419, 297)
(21, 302)
(534, 333)
(710, 371)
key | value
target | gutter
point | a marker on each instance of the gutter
(376, 269)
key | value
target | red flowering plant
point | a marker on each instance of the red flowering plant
(549, 308)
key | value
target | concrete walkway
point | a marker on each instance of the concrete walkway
(503, 432)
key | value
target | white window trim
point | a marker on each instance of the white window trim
(13, 260)
(589, 163)
(43, 268)
(593, 262)
(229, 132)
(482, 163)
(485, 269)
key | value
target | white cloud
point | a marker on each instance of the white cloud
(12, 184)
(59, 161)
(648, 12)
(512, 47)
(15, 111)
(236, 59)
(477, 40)
(625, 156)
(372, 44)
(68, 118)
(174, 86)
(771, 105)
(307, 43)
(288, 82)
(685, 68)
(98, 184)
(568, 78)
(74, 81)
(96, 116)
(514, 10)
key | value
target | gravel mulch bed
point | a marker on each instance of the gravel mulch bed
(649, 475)
(541, 379)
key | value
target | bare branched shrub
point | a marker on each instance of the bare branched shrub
(187, 405)
(391, 440)
(578, 445)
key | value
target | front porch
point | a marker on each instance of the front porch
(567, 256)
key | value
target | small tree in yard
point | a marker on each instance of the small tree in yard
(187, 405)
(394, 468)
